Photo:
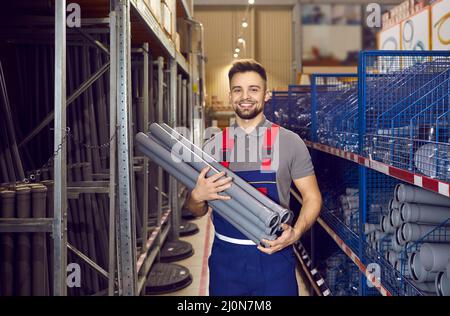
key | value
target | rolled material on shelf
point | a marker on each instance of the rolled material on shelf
(376, 208)
(285, 214)
(413, 194)
(351, 191)
(434, 257)
(378, 235)
(428, 288)
(23, 279)
(424, 213)
(385, 225)
(393, 204)
(7, 262)
(418, 272)
(397, 186)
(396, 219)
(38, 247)
(392, 256)
(188, 176)
(397, 245)
(268, 216)
(442, 284)
(448, 270)
(413, 232)
(369, 228)
(398, 237)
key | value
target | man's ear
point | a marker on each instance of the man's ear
(267, 96)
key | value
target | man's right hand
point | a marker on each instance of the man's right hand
(208, 189)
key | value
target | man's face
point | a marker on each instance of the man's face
(248, 94)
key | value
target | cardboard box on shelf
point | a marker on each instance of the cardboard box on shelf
(166, 17)
(155, 8)
(177, 42)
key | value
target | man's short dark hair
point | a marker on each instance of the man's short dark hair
(246, 65)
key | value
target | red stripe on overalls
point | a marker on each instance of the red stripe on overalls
(227, 146)
(269, 139)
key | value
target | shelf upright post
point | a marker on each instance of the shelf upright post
(362, 170)
(60, 171)
(173, 187)
(112, 150)
(125, 230)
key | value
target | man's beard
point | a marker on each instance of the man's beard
(248, 115)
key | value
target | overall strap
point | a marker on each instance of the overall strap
(227, 147)
(270, 137)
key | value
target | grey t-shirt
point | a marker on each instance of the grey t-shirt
(290, 156)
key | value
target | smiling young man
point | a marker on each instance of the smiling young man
(270, 158)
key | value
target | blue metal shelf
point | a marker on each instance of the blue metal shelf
(393, 120)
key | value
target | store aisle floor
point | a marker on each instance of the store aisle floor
(198, 263)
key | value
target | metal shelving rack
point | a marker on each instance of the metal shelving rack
(129, 277)
(348, 116)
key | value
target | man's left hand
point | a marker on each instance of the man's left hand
(289, 236)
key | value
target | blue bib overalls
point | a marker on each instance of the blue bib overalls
(241, 269)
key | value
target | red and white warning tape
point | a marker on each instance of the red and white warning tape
(438, 186)
(375, 282)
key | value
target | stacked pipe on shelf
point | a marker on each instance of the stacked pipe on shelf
(341, 275)
(406, 108)
(336, 110)
(350, 207)
(415, 237)
(29, 71)
(25, 266)
(291, 109)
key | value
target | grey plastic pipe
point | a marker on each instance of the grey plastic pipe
(396, 219)
(188, 176)
(38, 249)
(413, 232)
(448, 269)
(393, 204)
(269, 217)
(7, 246)
(386, 226)
(369, 228)
(285, 214)
(23, 279)
(423, 213)
(413, 194)
(237, 221)
(442, 284)
(427, 288)
(399, 236)
(351, 191)
(418, 272)
(392, 256)
(192, 174)
(434, 257)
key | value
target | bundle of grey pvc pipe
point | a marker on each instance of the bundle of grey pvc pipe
(248, 210)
